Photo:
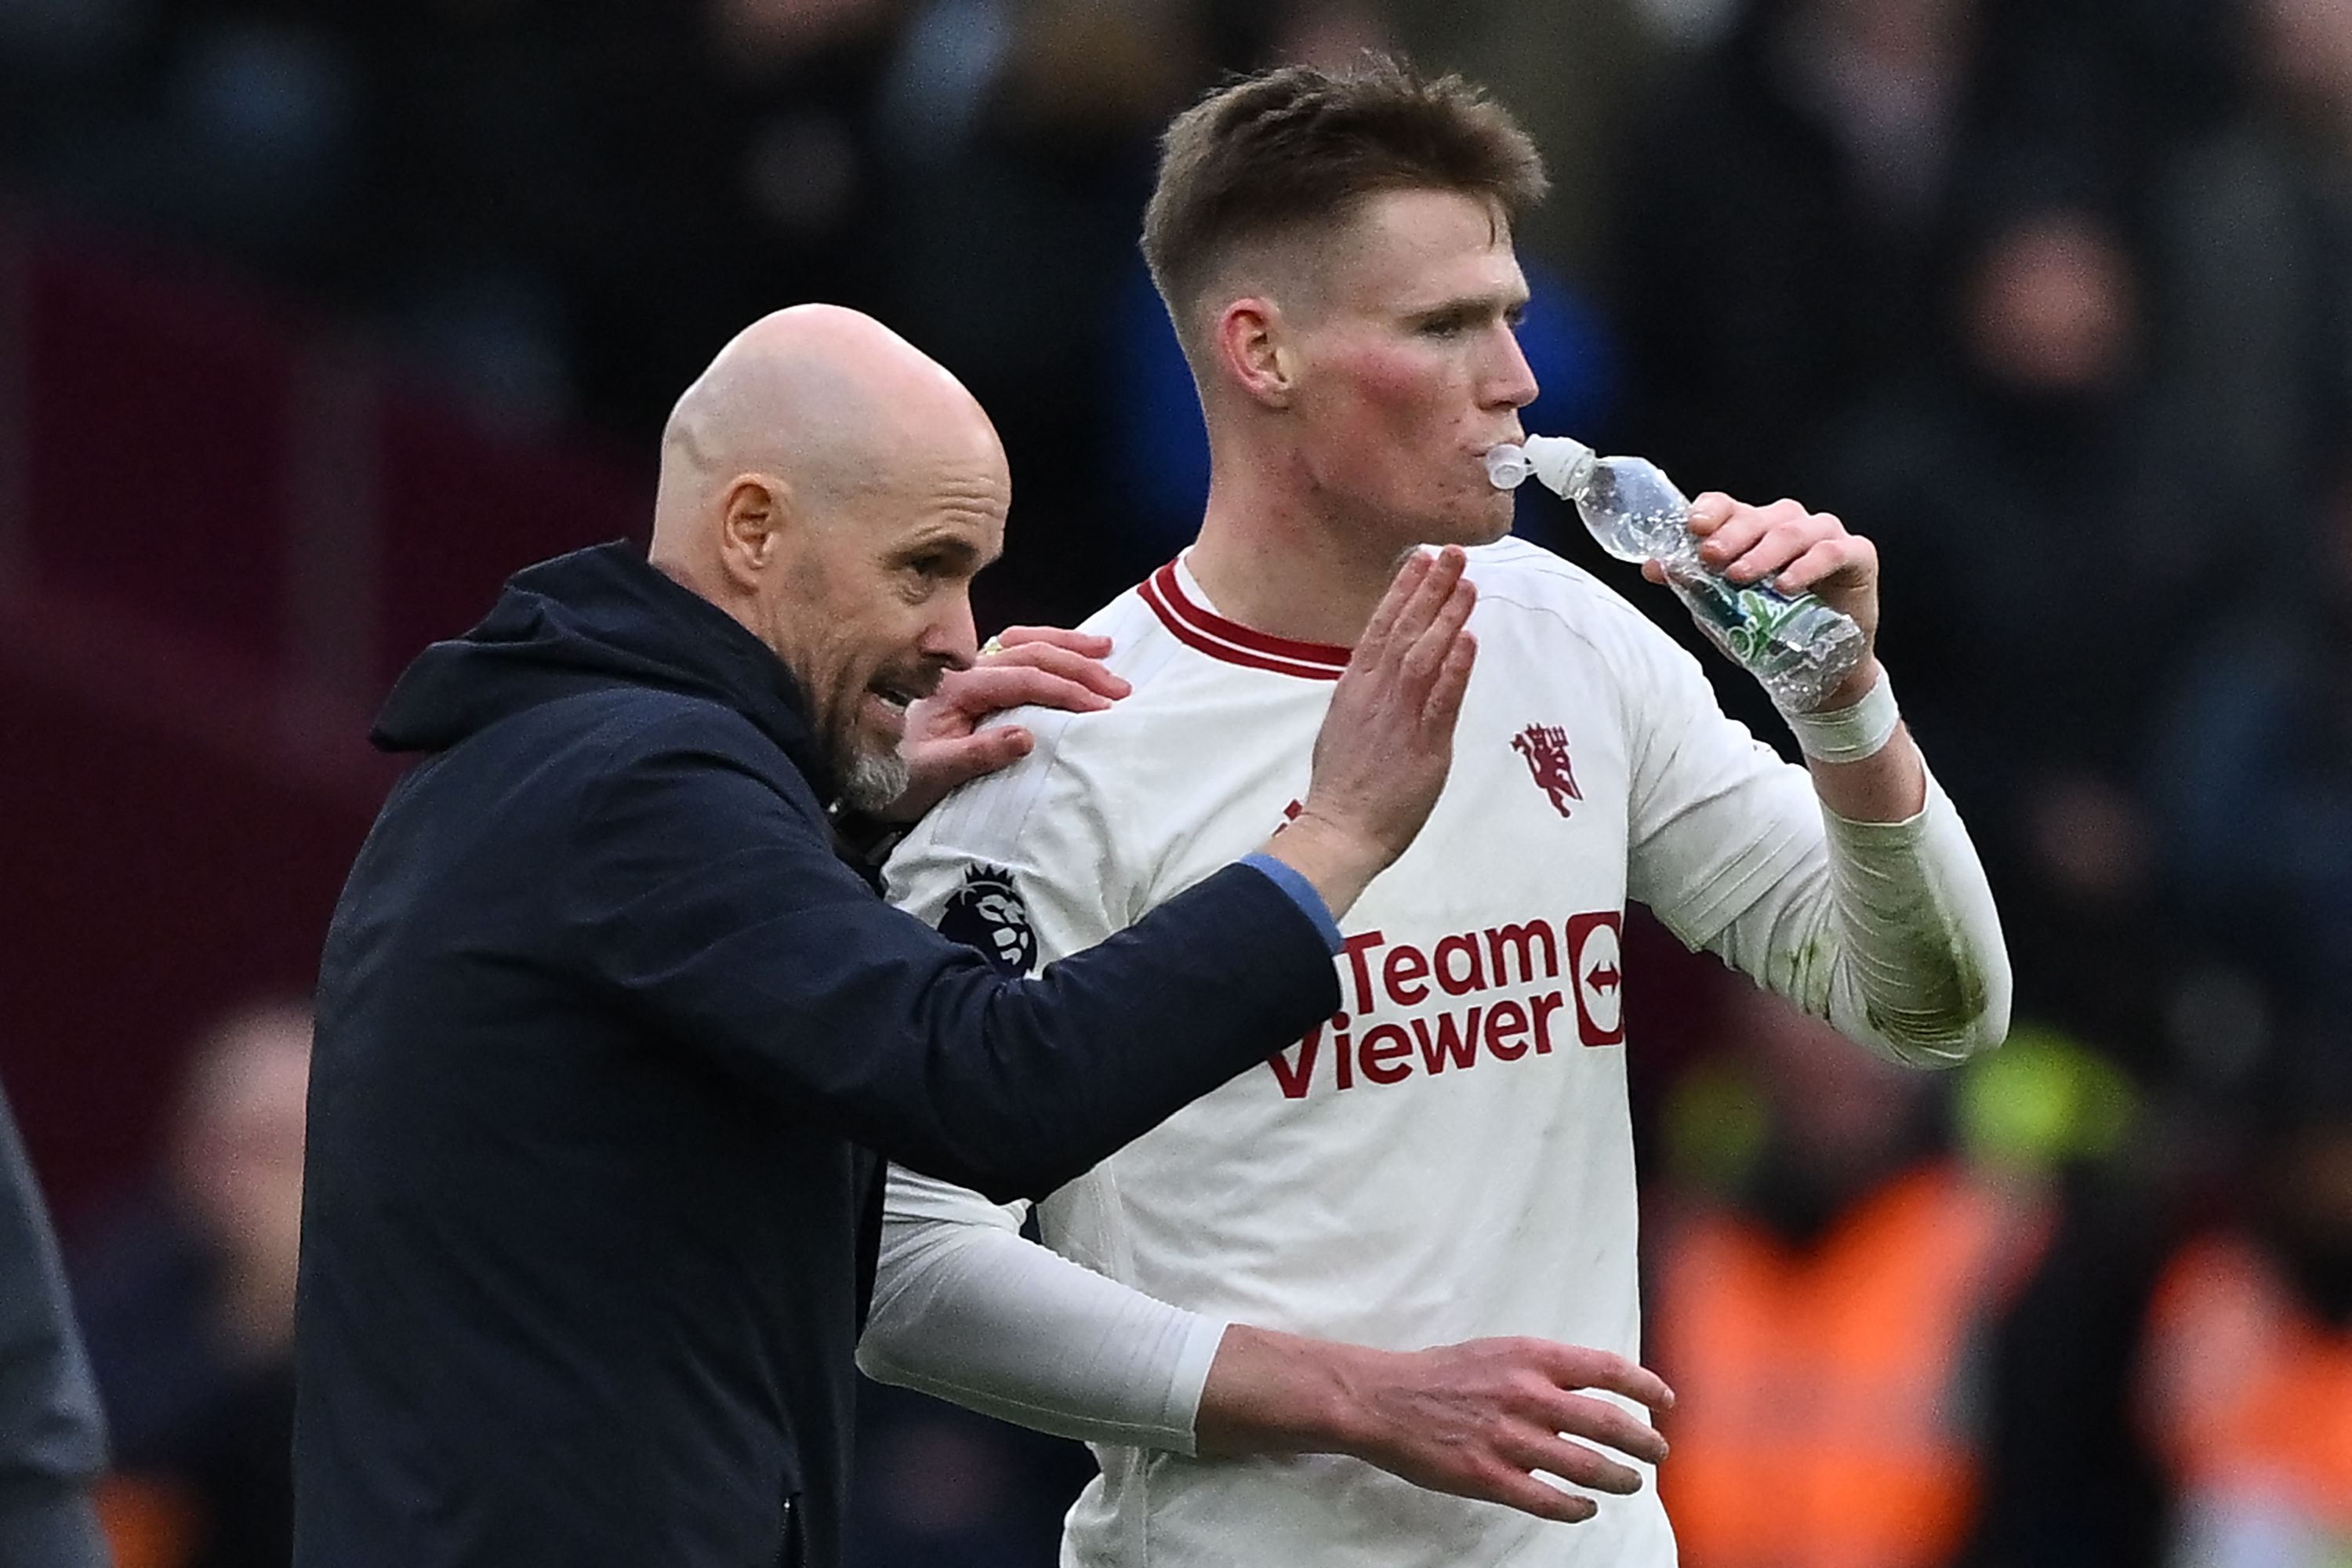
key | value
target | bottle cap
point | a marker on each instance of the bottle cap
(1555, 460)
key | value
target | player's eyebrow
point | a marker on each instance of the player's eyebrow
(1509, 303)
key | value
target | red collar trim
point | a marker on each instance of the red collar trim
(1230, 640)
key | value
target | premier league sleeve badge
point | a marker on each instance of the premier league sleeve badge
(987, 915)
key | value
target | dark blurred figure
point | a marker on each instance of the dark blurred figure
(2247, 1381)
(2252, 769)
(1788, 201)
(52, 1439)
(2059, 536)
(188, 1301)
(1822, 1313)
(231, 127)
(1778, 208)
(2252, 233)
(935, 1484)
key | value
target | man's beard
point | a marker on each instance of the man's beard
(869, 776)
(870, 781)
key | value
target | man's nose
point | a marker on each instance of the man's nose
(951, 637)
(1513, 384)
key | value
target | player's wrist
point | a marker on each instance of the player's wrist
(1854, 726)
(1271, 1393)
(1860, 683)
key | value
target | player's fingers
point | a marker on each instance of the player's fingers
(1781, 542)
(1571, 1462)
(1599, 1421)
(1400, 591)
(992, 688)
(1519, 1489)
(1843, 554)
(1579, 1367)
(1737, 534)
(1086, 643)
(1710, 511)
(1066, 662)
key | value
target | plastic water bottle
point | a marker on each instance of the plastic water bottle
(1797, 645)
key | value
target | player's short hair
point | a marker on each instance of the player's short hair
(1296, 148)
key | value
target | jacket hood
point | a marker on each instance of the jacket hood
(594, 619)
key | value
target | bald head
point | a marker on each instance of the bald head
(835, 490)
(828, 402)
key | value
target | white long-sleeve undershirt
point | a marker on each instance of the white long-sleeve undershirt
(1890, 934)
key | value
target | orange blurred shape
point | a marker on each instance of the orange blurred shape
(150, 1521)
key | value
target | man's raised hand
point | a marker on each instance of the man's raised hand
(1387, 743)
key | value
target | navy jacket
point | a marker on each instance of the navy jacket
(610, 1041)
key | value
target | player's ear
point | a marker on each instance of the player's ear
(1249, 339)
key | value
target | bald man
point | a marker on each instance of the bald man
(611, 1037)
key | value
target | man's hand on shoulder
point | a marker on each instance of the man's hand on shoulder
(1041, 666)
(1476, 1419)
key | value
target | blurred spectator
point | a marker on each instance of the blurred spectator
(2252, 234)
(188, 1301)
(52, 1439)
(2248, 1375)
(1778, 206)
(2052, 543)
(2068, 1480)
(1822, 1315)
(2252, 769)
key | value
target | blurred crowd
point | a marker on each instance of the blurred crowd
(2052, 298)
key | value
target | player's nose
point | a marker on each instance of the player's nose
(1513, 382)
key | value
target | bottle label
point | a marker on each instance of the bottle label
(1752, 618)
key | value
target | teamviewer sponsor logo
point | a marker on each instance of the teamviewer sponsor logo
(1503, 995)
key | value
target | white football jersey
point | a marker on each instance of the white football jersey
(1450, 1156)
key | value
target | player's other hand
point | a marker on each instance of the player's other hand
(1476, 1419)
(1387, 742)
(1022, 666)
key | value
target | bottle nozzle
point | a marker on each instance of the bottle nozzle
(1554, 460)
(1507, 466)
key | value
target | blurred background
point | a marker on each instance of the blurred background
(317, 320)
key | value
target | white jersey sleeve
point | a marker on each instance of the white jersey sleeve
(965, 1308)
(1886, 930)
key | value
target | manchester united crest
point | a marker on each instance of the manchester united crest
(1545, 747)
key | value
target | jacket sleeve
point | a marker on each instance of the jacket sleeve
(52, 1438)
(707, 898)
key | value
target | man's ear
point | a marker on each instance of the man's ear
(755, 514)
(1252, 343)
